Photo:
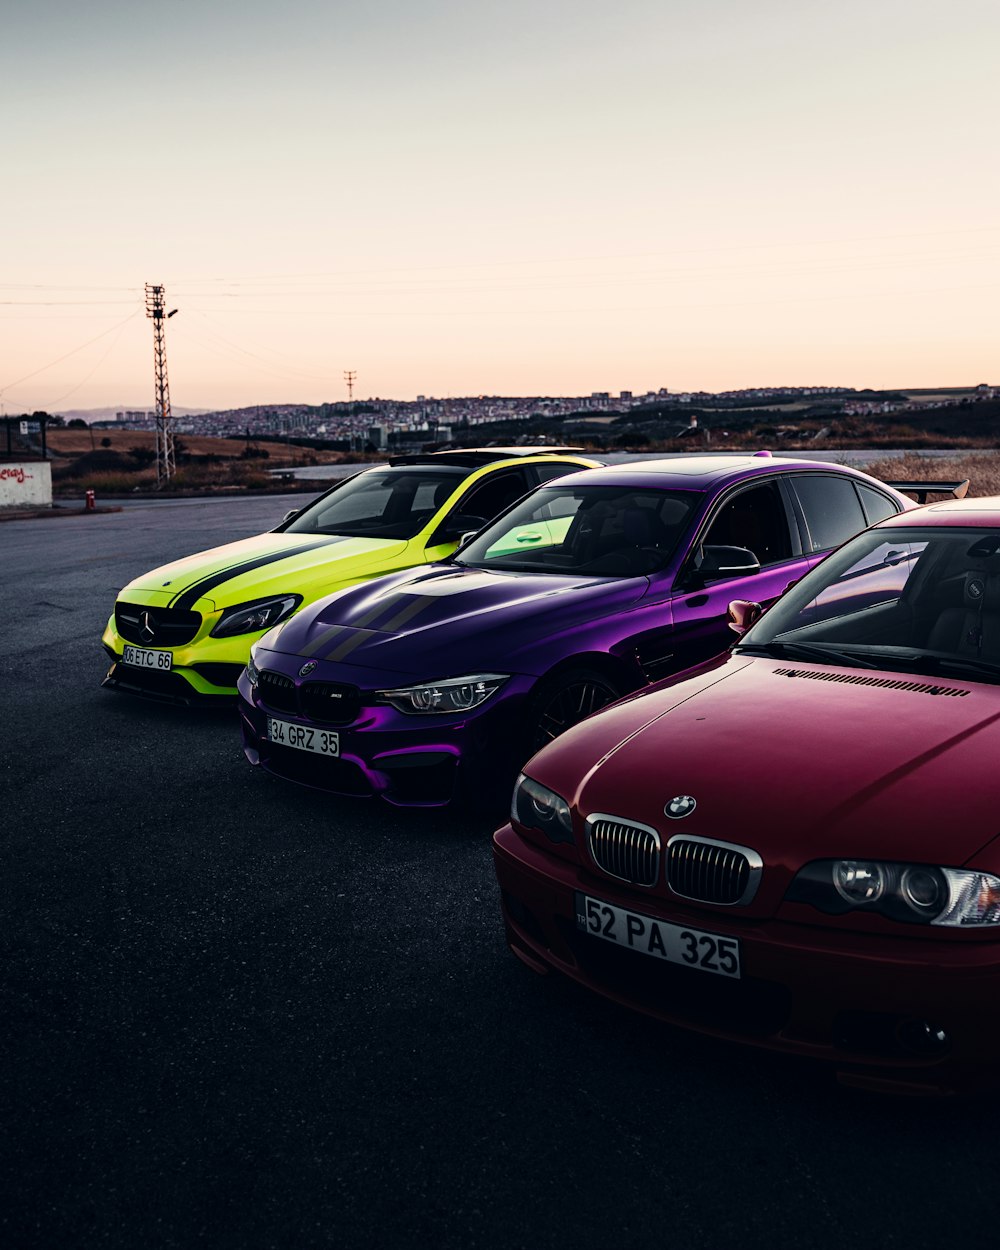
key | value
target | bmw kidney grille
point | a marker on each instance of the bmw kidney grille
(711, 871)
(624, 850)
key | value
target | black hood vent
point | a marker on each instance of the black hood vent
(886, 683)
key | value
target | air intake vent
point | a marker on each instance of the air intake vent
(858, 679)
(624, 850)
(712, 872)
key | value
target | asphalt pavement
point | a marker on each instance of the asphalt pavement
(240, 1014)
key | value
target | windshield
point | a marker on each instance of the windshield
(595, 531)
(381, 503)
(923, 600)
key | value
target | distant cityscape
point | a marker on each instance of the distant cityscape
(379, 422)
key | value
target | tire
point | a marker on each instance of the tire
(564, 700)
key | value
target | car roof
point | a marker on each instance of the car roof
(476, 457)
(984, 512)
(699, 472)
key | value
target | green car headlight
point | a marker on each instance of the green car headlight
(456, 694)
(250, 618)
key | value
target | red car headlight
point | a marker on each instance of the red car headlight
(912, 893)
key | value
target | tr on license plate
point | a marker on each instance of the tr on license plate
(675, 943)
(285, 734)
(141, 658)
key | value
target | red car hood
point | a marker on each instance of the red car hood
(797, 761)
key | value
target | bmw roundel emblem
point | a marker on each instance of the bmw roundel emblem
(680, 805)
(307, 668)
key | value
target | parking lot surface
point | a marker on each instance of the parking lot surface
(240, 1014)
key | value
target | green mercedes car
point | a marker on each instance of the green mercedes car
(182, 633)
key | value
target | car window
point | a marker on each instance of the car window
(381, 503)
(547, 472)
(600, 531)
(755, 519)
(493, 494)
(877, 506)
(831, 509)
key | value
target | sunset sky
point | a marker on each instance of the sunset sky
(526, 197)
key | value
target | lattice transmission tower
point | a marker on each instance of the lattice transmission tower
(349, 376)
(165, 461)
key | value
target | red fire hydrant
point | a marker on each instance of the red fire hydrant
(91, 503)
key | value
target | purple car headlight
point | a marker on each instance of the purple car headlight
(253, 672)
(455, 694)
(915, 893)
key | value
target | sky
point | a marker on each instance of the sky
(523, 197)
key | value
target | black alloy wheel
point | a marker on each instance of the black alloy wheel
(567, 699)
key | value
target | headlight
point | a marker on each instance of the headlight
(456, 694)
(537, 807)
(913, 893)
(249, 618)
(253, 673)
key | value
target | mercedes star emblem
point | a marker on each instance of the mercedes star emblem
(680, 805)
(147, 627)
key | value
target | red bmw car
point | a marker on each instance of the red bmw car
(797, 845)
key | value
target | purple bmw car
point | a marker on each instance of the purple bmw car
(425, 685)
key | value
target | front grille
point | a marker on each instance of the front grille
(712, 872)
(155, 627)
(330, 703)
(277, 692)
(627, 851)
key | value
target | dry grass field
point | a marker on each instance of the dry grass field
(78, 443)
(983, 471)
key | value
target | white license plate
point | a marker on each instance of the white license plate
(675, 943)
(285, 734)
(139, 657)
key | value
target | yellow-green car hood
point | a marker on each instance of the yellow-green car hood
(307, 564)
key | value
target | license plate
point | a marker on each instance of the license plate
(302, 737)
(139, 657)
(677, 944)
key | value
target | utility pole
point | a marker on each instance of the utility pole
(349, 376)
(165, 460)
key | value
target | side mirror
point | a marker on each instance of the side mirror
(742, 614)
(717, 562)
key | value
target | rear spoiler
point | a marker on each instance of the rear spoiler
(957, 490)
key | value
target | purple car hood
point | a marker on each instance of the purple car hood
(797, 761)
(447, 618)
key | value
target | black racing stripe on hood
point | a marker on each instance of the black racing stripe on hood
(412, 609)
(187, 598)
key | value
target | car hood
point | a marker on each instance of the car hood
(797, 762)
(265, 564)
(449, 618)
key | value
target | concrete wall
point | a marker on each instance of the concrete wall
(27, 483)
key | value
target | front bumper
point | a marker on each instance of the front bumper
(871, 1005)
(410, 761)
(203, 671)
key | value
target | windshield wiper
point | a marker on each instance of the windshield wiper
(820, 652)
(934, 661)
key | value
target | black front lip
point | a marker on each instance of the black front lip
(113, 680)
